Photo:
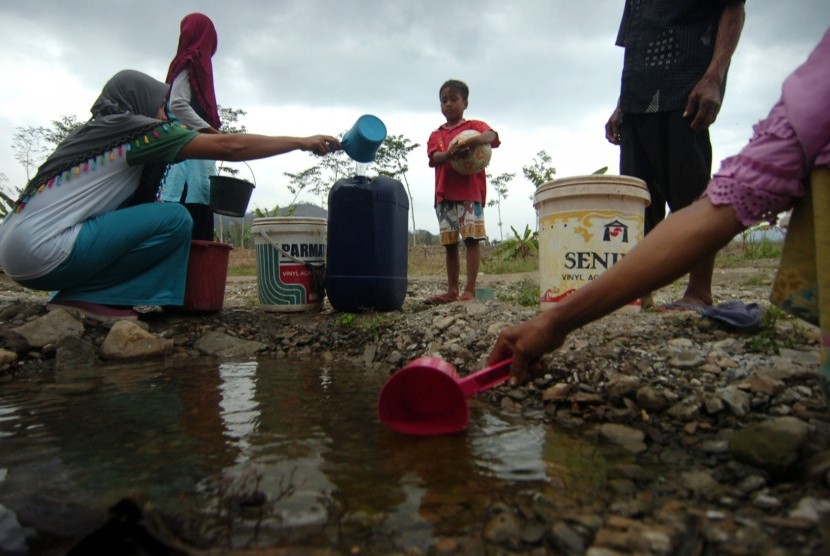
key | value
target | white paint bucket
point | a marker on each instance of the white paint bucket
(290, 261)
(586, 224)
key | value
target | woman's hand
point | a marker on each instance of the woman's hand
(320, 144)
(526, 343)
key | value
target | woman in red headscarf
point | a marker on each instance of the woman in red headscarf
(192, 103)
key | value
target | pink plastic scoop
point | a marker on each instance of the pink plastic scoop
(427, 396)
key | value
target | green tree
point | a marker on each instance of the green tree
(519, 246)
(299, 182)
(332, 167)
(230, 124)
(29, 145)
(539, 171)
(6, 201)
(500, 184)
(230, 120)
(393, 160)
(61, 129)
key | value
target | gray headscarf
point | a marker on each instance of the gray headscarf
(126, 109)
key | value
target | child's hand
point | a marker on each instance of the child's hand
(460, 149)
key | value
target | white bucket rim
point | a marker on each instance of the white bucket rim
(596, 184)
(293, 220)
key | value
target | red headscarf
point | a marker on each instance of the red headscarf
(197, 45)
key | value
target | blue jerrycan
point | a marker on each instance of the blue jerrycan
(366, 254)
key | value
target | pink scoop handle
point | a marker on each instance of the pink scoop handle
(488, 377)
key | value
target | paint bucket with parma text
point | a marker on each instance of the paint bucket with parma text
(291, 262)
(586, 224)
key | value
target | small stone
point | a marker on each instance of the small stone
(686, 360)
(764, 384)
(766, 502)
(557, 392)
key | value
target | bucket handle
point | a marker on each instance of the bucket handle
(318, 283)
(222, 163)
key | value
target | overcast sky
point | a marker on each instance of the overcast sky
(543, 73)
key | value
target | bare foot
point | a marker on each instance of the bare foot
(440, 299)
(647, 302)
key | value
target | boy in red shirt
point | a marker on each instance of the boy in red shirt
(459, 198)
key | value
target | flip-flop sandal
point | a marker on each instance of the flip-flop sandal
(679, 306)
(94, 311)
(466, 298)
(744, 316)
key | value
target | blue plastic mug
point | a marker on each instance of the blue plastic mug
(362, 142)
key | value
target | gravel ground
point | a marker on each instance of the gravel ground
(738, 417)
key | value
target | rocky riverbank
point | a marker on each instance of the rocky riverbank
(738, 418)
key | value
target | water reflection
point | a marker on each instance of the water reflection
(238, 407)
(178, 434)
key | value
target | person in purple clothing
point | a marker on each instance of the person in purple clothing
(786, 164)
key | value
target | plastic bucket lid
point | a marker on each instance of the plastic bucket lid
(362, 142)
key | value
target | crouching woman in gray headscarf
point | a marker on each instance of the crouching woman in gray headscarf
(87, 226)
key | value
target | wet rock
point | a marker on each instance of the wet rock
(818, 466)
(13, 341)
(773, 445)
(50, 328)
(225, 345)
(12, 534)
(503, 529)
(369, 353)
(75, 353)
(533, 534)
(7, 357)
(557, 392)
(128, 340)
(566, 538)
(632, 440)
(622, 386)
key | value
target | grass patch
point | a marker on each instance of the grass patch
(767, 341)
(756, 280)
(737, 253)
(242, 270)
(524, 292)
(509, 266)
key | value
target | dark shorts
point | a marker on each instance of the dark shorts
(674, 160)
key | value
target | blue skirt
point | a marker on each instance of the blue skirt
(132, 256)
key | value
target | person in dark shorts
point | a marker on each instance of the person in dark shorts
(677, 54)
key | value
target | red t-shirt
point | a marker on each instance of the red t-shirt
(449, 184)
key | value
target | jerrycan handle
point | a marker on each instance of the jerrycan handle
(486, 378)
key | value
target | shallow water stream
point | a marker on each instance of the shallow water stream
(267, 453)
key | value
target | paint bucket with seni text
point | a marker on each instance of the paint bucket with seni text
(586, 224)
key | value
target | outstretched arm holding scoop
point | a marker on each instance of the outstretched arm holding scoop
(663, 256)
